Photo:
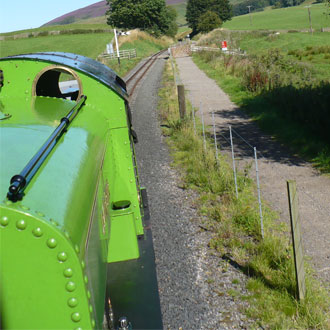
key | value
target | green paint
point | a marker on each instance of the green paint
(36, 290)
(69, 214)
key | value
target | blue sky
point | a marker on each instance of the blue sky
(25, 14)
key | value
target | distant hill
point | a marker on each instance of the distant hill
(90, 12)
(95, 10)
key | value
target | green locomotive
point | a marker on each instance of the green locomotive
(74, 249)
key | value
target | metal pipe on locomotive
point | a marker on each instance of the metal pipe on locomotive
(76, 251)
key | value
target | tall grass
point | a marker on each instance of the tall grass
(283, 94)
(267, 262)
(145, 45)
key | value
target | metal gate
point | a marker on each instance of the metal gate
(181, 50)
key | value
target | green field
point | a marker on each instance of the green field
(101, 20)
(310, 50)
(181, 10)
(291, 18)
(74, 26)
(285, 41)
(90, 45)
(86, 43)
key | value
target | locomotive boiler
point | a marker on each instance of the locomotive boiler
(76, 248)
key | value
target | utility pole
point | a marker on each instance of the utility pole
(250, 14)
(117, 47)
(310, 18)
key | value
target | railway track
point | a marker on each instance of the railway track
(133, 79)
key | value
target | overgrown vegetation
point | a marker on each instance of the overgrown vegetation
(267, 262)
(289, 98)
(145, 45)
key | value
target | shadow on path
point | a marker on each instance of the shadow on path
(246, 135)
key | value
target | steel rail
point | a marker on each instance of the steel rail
(150, 61)
(19, 181)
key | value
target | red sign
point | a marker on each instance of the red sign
(224, 44)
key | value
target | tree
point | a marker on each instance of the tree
(208, 22)
(173, 27)
(196, 8)
(150, 15)
(327, 3)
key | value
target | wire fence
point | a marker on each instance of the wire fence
(228, 134)
(323, 209)
(176, 76)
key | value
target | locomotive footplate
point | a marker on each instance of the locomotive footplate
(133, 288)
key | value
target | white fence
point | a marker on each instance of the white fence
(213, 49)
(126, 53)
(201, 48)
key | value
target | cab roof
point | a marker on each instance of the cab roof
(81, 63)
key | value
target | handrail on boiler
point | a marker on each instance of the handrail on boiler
(19, 181)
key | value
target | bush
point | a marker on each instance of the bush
(208, 22)
(255, 79)
(43, 34)
(286, 85)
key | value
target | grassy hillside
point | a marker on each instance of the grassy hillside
(102, 20)
(99, 22)
(312, 51)
(87, 44)
(81, 26)
(291, 18)
(94, 10)
(94, 13)
(90, 45)
(181, 10)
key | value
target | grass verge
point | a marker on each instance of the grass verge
(145, 45)
(267, 262)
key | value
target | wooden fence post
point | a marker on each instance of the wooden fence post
(182, 101)
(296, 239)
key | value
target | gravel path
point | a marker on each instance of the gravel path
(197, 288)
(276, 164)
